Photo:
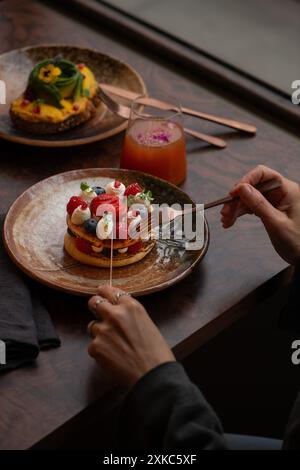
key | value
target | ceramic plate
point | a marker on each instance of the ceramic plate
(15, 67)
(36, 223)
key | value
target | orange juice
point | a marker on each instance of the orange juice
(156, 147)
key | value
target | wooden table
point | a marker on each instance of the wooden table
(42, 402)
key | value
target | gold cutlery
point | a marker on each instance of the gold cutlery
(130, 95)
(124, 112)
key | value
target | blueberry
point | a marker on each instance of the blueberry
(98, 190)
(90, 225)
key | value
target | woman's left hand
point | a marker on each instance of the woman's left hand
(125, 341)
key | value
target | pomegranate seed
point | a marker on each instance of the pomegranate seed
(76, 107)
(25, 103)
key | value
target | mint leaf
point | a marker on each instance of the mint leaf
(146, 196)
(130, 200)
(84, 186)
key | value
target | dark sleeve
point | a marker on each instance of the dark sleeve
(290, 320)
(165, 410)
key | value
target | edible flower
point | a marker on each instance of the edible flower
(49, 73)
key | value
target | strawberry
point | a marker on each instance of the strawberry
(121, 231)
(108, 202)
(133, 249)
(133, 189)
(83, 246)
(74, 202)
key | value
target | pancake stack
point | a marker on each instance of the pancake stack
(101, 219)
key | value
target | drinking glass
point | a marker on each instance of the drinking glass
(154, 140)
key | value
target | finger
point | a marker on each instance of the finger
(231, 211)
(257, 175)
(229, 208)
(92, 328)
(257, 203)
(114, 294)
(100, 307)
(94, 349)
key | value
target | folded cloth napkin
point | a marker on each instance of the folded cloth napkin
(25, 324)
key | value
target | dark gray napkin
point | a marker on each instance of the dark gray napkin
(25, 324)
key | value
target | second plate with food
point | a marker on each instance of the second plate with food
(15, 68)
(35, 229)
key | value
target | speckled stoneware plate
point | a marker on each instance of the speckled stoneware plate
(15, 67)
(35, 225)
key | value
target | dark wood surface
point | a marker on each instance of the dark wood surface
(62, 390)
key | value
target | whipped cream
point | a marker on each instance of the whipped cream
(112, 190)
(105, 227)
(80, 215)
(87, 196)
(97, 249)
(142, 209)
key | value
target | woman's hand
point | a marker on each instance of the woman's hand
(125, 342)
(279, 210)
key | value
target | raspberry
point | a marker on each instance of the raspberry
(133, 249)
(117, 184)
(83, 246)
(133, 189)
(74, 202)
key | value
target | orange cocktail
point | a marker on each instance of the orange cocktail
(155, 145)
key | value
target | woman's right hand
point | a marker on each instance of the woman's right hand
(279, 210)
